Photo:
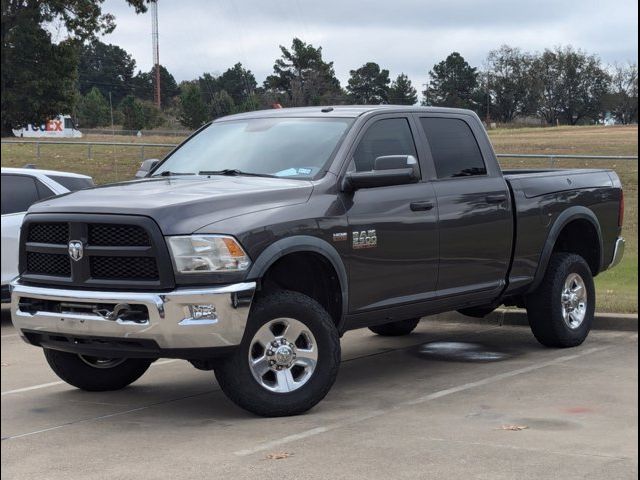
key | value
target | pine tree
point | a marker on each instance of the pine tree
(402, 92)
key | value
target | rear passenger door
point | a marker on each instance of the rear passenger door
(474, 209)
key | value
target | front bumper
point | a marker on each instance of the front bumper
(63, 319)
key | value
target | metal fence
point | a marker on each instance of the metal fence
(112, 161)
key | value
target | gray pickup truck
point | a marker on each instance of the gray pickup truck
(254, 245)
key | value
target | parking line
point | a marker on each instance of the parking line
(102, 417)
(53, 384)
(416, 401)
(34, 387)
(10, 335)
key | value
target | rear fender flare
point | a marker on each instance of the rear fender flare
(569, 215)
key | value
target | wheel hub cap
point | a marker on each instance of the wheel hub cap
(283, 355)
(574, 301)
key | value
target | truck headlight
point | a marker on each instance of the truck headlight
(207, 253)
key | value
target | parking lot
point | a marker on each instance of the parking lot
(453, 400)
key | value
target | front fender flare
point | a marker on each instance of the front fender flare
(302, 243)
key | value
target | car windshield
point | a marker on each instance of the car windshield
(280, 147)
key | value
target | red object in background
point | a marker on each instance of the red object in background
(276, 105)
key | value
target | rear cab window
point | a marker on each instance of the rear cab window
(454, 148)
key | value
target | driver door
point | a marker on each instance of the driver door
(393, 251)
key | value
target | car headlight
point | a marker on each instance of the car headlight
(208, 253)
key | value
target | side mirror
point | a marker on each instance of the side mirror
(146, 167)
(388, 170)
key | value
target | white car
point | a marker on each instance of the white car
(22, 187)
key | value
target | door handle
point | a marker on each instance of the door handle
(421, 206)
(496, 198)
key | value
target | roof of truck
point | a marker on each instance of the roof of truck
(348, 111)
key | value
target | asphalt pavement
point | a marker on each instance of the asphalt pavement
(452, 400)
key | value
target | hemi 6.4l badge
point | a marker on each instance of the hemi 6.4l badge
(340, 237)
(365, 239)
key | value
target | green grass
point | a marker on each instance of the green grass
(616, 289)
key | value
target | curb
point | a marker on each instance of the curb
(627, 322)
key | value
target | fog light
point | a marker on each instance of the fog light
(202, 312)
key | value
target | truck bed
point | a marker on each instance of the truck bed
(537, 182)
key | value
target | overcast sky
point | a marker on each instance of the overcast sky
(407, 36)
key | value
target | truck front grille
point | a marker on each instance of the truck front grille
(117, 252)
(130, 268)
(118, 235)
(54, 233)
(49, 264)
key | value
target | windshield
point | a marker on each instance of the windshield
(281, 147)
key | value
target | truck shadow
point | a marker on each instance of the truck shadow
(377, 376)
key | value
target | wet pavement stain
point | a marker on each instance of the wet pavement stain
(461, 352)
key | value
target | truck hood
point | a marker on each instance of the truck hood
(182, 204)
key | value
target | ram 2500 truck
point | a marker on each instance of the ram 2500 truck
(263, 237)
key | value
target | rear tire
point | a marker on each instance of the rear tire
(288, 359)
(396, 329)
(95, 374)
(561, 310)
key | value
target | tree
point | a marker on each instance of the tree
(369, 85)
(222, 104)
(453, 83)
(509, 82)
(238, 82)
(133, 115)
(303, 76)
(108, 68)
(402, 92)
(93, 110)
(143, 86)
(571, 85)
(37, 76)
(193, 111)
(622, 101)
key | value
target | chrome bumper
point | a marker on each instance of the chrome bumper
(618, 253)
(170, 322)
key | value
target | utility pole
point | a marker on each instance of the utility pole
(156, 51)
(113, 130)
(488, 93)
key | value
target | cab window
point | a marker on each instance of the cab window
(18, 193)
(390, 136)
(454, 148)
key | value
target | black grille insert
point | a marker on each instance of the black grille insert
(118, 235)
(124, 268)
(48, 264)
(119, 252)
(56, 233)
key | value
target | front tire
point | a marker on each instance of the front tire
(396, 329)
(288, 359)
(562, 308)
(95, 374)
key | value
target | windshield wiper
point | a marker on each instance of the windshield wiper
(168, 173)
(232, 172)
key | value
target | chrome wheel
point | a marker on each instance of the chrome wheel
(283, 355)
(574, 301)
(99, 362)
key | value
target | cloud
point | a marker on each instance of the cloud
(407, 36)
